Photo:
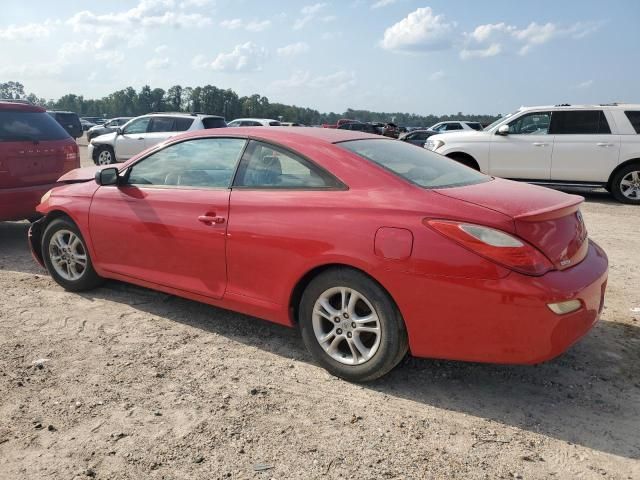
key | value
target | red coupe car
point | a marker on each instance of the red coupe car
(372, 247)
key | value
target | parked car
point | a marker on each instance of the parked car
(370, 246)
(339, 123)
(108, 127)
(34, 152)
(69, 121)
(587, 146)
(417, 137)
(144, 132)
(359, 127)
(254, 122)
(86, 125)
(95, 120)
(391, 130)
(452, 126)
(291, 124)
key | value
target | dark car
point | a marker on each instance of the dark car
(69, 121)
(34, 152)
(86, 125)
(95, 120)
(108, 127)
(391, 130)
(417, 137)
(359, 127)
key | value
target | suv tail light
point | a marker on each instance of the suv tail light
(72, 155)
(494, 245)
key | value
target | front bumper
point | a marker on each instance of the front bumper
(506, 320)
(35, 240)
(90, 150)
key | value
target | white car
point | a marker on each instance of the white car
(144, 132)
(582, 146)
(454, 126)
(254, 122)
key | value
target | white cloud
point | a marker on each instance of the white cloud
(257, 26)
(110, 59)
(535, 34)
(308, 13)
(483, 33)
(330, 35)
(293, 49)
(490, 51)
(585, 84)
(252, 26)
(421, 30)
(232, 24)
(297, 79)
(336, 82)
(25, 32)
(436, 75)
(158, 63)
(383, 3)
(246, 57)
(35, 70)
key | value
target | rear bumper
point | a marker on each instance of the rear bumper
(21, 203)
(506, 320)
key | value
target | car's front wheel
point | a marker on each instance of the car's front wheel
(105, 155)
(625, 185)
(351, 326)
(66, 257)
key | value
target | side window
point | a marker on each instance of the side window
(634, 118)
(137, 126)
(536, 123)
(438, 128)
(161, 124)
(182, 124)
(579, 122)
(454, 126)
(268, 166)
(205, 162)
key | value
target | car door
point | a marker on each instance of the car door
(166, 222)
(525, 151)
(584, 149)
(132, 140)
(160, 128)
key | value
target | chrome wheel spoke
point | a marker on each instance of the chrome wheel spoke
(67, 254)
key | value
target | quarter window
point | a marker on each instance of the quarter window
(205, 163)
(536, 123)
(579, 122)
(182, 124)
(268, 166)
(634, 118)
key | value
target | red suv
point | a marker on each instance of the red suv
(34, 152)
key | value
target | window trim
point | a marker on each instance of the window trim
(127, 170)
(306, 161)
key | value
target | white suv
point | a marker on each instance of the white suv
(144, 132)
(454, 126)
(254, 122)
(588, 146)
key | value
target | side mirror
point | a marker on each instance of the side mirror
(119, 131)
(503, 130)
(107, 176)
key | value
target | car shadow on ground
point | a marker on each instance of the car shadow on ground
(589, 396)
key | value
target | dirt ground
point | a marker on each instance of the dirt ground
(127, 383)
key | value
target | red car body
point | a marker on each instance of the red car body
(455, 303)
(34, 152)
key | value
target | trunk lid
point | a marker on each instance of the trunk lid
(548, 219)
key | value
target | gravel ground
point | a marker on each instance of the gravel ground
(124, 382)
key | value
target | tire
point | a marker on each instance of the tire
(66, 266)
(105, 155)
(625, 184)
(349, 351)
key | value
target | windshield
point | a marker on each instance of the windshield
(416, 164)
(500, 120)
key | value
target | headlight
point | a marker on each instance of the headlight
(433, 145)
(46, 196)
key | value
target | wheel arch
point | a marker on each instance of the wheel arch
(465, 159)
(304, 280)
(624, 164)
(37, 230)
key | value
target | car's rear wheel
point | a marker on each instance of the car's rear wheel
(105, 155)
(625, 185)
(351, 326)
(66, 257)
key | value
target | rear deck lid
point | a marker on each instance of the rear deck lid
(548, 219)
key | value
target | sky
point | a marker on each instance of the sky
(421, 57)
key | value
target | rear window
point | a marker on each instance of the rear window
(70, 118)
(417, 165)
(634, 118)
(274, 124)
(475, 126)
(29, 126)
(214, 122)
(183, 124)
(578, 122)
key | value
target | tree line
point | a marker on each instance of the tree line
(213, 100)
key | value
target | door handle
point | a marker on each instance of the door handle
(602, 144)
(210, 219)
(540, 144)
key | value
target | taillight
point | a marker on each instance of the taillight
(495, 245)
(72, 154)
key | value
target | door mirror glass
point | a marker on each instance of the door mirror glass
(107, 176)
(503, 130)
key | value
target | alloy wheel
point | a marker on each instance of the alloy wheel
(68, 255)
(104, 157)
(630, 185)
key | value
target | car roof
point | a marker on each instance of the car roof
(177, 114)
(284, 134)
(615, 105)
(8, 106)
(256, 119)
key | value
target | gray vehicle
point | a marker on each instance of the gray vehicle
(417, 137)
(108, 127)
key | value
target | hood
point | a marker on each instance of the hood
(106, 138)
(83, 174)
(548, 219)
